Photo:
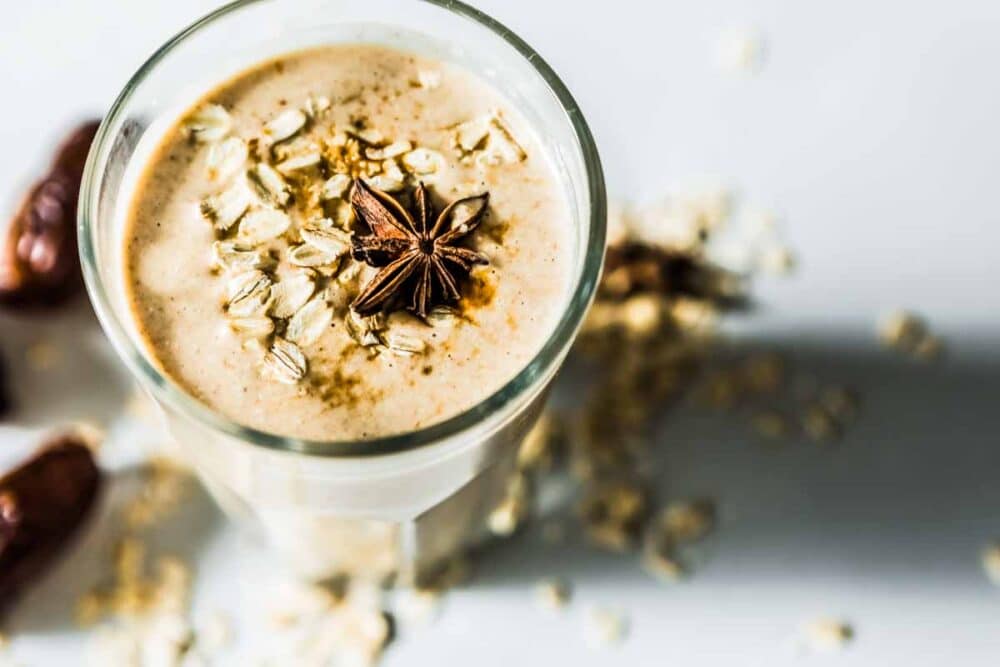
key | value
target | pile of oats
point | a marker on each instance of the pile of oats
(141, 613)
(651, 339)
(648, 339)
(339, 623)
(283, 221)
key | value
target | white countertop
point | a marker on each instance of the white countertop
(871, 130)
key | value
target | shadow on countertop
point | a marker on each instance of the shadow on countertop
(911, 492)
(61, 368)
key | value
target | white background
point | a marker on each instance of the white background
(871, 130)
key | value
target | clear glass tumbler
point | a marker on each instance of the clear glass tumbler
(389, 506)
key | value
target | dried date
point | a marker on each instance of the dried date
(42, 504)
(39, 264)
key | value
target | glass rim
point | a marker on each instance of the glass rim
(582, 290)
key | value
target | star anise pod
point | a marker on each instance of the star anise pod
(421, 265)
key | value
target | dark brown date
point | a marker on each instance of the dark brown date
(42, 503)
(39, 264)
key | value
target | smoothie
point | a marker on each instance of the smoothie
(345, 243)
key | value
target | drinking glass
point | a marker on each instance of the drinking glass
(393, 505)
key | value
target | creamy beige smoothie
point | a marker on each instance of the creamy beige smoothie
(286, 266)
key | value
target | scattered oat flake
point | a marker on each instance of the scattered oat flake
(285, 362)
(164, 486)
(642, 314)
(990, 559)
(901, 328)
(252, 327)
(309, 256)
(404, 344)
(688, 521)
(291, 293)
(819, 424)
(299, 162)
(612, 513)
(553, 593)
(740, 50)
(229, 256)
(210, 123)
(226, 158)
(393, 150)
(605, 627)
(910, 334)
(416, 606)
(471, 134)
(226, 208)
(443, 316)
(662, 565)
(392, 178)
(777, 260)
(332, 241)
(504, 519)
(827, 634)
(372, 136)
(423, 161)
(285, 125)
(249, 293)
(270, 185)
(316, 105)
(262, 225)
(502, 141)
(294, 603)
(336, 186)
(309, 323)
(366, 331)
